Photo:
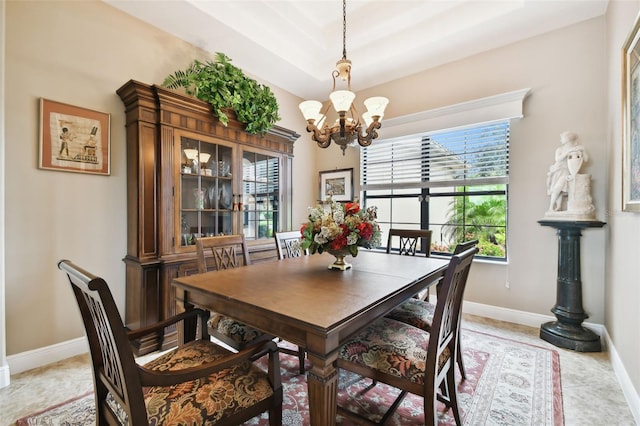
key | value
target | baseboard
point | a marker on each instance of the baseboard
(5, 377)
(628, 390)
(42, 356)
(519, 317)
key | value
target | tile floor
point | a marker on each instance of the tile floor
(590, 390)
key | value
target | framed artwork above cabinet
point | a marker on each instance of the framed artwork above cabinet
(190, 176)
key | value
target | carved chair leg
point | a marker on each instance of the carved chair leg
(460, 361)
(453, 395)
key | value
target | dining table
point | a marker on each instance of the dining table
(304, 302)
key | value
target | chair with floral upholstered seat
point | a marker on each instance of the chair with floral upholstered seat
(419, 313)
(227, 251)
(411, 359)
(199, 382)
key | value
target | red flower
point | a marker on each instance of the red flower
(351, 208)
(339, 242)
(304, 226)
(366, 230)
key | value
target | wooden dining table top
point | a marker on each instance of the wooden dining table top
(304, 302)
(304, 290)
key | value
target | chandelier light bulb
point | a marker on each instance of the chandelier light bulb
(310, 109)
(342, 100)
(376, 105)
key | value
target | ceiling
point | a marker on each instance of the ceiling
(294, 44)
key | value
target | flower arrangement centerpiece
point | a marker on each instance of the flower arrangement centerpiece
(340, 228)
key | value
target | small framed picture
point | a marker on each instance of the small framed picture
(337, 184)
(631, 120)
(74, 139)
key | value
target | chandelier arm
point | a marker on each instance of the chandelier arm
(322, 137)
(324, 144)
(370, 134)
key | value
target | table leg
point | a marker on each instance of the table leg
(322, 385)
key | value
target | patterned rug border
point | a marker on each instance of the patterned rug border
(554, 372)
(24, 421)
(558, 408)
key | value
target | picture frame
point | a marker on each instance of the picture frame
(74, 139)
(631, 120)
(336, 183)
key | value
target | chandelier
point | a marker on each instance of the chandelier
(348, 128)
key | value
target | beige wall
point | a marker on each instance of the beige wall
(80, 53)
(565, 70)
(622, 290)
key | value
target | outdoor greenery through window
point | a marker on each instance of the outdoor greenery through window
(453, 182)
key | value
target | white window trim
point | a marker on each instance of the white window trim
(484, 110)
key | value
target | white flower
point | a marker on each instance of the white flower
(338, 216)
(315, 213)
(352, 238)
(319, 239)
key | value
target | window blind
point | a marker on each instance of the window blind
(477, 155)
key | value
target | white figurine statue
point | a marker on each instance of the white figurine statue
(564, 181)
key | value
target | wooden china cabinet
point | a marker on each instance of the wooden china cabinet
(189, 176)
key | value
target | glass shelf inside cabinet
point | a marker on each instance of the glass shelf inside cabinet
(260, 195)
(206, 190)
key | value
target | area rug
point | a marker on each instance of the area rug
(508, 383)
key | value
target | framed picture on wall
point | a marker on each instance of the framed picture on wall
(631, 121)
(337, 184)
(74, 139)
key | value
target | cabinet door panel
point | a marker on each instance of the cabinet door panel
(260, 194)
(205, 194)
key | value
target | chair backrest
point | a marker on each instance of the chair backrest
(288, 244)
(409, 239)
(114, 366)
(228, 251)
(444, 328)
(464, 246)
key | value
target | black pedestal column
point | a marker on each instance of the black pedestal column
(567, 331)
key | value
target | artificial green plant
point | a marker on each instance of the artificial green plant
(225, 87)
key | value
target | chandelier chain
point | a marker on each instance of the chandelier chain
(344, 29)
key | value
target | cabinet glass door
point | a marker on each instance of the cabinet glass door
(206, 190)
(260, 195)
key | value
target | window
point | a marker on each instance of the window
(453, 182)
(260, 195)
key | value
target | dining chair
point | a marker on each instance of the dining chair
(419, 313)
(227, 251)
(410, 242)
(394, 353)
(287, 246)
(198, 382)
